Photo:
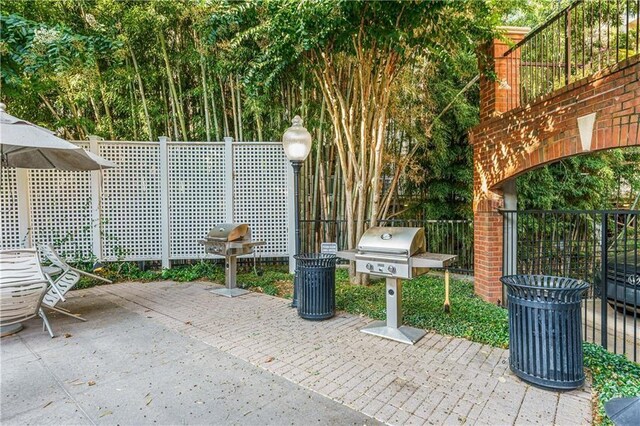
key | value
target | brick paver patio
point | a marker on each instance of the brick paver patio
(440, 380)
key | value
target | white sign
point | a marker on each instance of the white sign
(329, 248)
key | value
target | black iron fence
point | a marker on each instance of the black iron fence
(578, 41)
(599, 247)
(443, 236)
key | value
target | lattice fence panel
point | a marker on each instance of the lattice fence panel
(260, 194)
(196, 196)
(10, 237)
(131, 201)
(60, 203)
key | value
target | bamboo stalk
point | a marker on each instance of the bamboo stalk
(239, 104)
(142, 95)
(215, 116)
(103, 97)
(224, 107)
(233, 108)
(203, 78)
(176, 105)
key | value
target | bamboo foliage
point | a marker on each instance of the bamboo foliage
(183, 82)
(374, 82)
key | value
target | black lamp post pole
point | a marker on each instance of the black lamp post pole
(297, 165)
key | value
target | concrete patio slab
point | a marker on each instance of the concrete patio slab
(125, 368)
(174, 353)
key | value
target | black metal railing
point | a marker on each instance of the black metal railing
(578, 41)
(599, 247)
(443, 236)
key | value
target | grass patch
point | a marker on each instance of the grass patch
(275, 281)
(612, 376)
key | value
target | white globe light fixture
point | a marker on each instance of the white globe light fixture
(296, 142)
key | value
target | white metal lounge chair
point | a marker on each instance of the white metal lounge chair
(22, 287)
(65, 282)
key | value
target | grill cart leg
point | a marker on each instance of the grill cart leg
(230, 267)
(392, 328)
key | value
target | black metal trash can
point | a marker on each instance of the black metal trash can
(545, 337)
(316, 280)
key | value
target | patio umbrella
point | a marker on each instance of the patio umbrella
(26, 145)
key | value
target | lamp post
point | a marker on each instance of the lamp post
(296, 142)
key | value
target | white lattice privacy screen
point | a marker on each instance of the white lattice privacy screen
(10, 231)
(260, 193)
(131, 202)
(60, 211)
(196, 195)
(160, 200)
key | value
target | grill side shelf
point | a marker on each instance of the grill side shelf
(347, 254)
(432, 260)
(241, 244)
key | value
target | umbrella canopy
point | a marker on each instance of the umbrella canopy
(26, 145)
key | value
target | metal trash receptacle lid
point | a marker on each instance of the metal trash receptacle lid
(545, 287)
(315, 259)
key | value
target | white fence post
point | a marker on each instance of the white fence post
(24, 206)
(164, 201)
(96, 202)
(228, 179)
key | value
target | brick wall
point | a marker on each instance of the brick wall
(509, 142)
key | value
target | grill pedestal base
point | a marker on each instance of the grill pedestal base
(392, 328)
(230, 292)
(230, 270)
(404, 334)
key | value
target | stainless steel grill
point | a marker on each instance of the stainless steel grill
(230, 240)
(396, 254)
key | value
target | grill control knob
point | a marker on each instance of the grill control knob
(369, 266)
(391, 269)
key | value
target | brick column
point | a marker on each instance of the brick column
(487, 243)
(500, 90)
(498, 94)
